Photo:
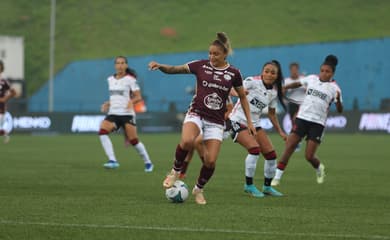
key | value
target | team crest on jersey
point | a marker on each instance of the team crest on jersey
(213, 101)
(227, 77)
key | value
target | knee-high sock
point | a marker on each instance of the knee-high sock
(180, 156)
(269, 168)
(250, 165)
(204, 176)
(140, 147)
(107, 146)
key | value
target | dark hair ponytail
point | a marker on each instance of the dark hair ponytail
(131, 72)
(332, 61)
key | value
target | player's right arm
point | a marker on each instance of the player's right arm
(168, 68)
(292, 85)
(339, 103)
(105, 106)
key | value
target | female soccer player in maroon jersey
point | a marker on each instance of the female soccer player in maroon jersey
(214, 79)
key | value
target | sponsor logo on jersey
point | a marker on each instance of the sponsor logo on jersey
(216, 78)
(316, 93)
(207, 67)
(213, 101)
(214, 85)
(208, 72)
(257, 103)
(230, 73)
(117, 92)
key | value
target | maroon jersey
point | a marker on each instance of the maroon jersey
(4, 87)
(212, 89)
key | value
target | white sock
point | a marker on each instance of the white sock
(269, 168)
(107, 146)
(250, 165)
(140, 147)
(278, 174)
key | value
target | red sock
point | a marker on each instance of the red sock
(281, 166)
(180, 155)
(205, 175)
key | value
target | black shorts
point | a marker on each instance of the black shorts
(237, 127)
(312, 131)
(121, 121)
(292, 109)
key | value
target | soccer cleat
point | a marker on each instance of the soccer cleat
(111, 164)
(198, 193)
(275, 182)
(270, 191)
(253, 191)
(170, 179)
(149, 167)
(321, 173)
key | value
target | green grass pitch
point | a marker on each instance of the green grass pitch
(54, 187)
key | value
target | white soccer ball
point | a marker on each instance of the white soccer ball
(178, 193)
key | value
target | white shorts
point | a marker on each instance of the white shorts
(208, 129)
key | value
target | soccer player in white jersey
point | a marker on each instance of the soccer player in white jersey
(321, 91)
(6, 93)
(263, 91)
(124, 93)
(294, 96)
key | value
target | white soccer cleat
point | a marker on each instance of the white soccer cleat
(170, 179)
(321, 174)
(275, 182)
(199, 197)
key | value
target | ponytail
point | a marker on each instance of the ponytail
(331, 61)
(224, 42)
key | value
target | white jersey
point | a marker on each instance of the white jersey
(295, 95)
(259, 97)
(319, 96)
(120, 90)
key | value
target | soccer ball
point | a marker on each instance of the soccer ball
(178, 193)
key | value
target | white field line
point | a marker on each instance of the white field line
(196, 230)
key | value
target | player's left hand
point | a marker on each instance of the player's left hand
(283, 135)
(130, 105)
(252, 130)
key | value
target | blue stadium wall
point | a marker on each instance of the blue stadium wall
(363, 74)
